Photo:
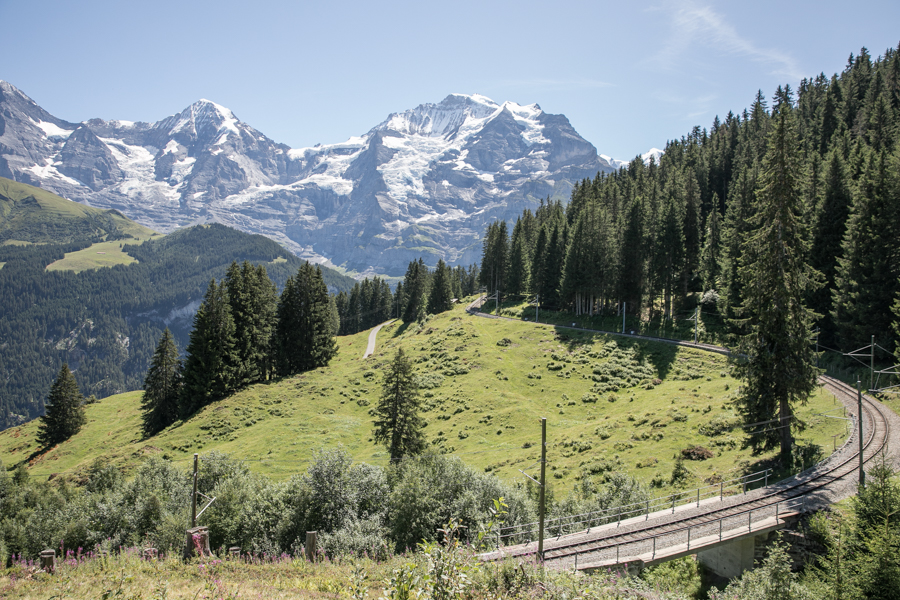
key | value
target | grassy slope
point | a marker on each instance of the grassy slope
(95, 256)
(30, 214)
(488, 416)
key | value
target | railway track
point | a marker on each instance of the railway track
(800, 493)
(609, 543)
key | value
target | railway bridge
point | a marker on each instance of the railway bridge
(720, 523)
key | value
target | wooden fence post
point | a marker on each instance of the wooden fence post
(48, 560)
(311, 548)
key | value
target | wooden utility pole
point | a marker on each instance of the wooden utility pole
(543, 487)
(194, 495)
(859, 417)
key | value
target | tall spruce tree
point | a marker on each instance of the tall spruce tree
(495, 258)
(304, 337)
(441, 297)
(211, 357)
(414, 289)
(398, 425)
(866, 276)
(710, 256)
(162, 387)
(828, 235)
(519, 266)
(64, 416)
(778, 371)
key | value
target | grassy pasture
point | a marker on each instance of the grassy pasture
(486, 383)
(95, 256)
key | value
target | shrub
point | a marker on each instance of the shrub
(696, 453)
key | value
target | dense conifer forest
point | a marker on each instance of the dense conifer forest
(105, 323)
(663, 238)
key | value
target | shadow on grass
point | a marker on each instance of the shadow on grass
(660, 355)
(400, 330)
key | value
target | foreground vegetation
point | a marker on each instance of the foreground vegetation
(857, 563)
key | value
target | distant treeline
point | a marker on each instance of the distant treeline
(106, 322)
(422, 291)
(661, 238)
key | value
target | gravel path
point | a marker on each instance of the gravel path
(370, 348)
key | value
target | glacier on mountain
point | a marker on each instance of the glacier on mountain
(423, 182)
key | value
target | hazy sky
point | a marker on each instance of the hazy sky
(628, 76)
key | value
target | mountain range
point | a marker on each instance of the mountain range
(422, 183)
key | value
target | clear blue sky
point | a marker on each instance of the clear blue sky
(628, 75)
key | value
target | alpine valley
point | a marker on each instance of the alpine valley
(423, 183)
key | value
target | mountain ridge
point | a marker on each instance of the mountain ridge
(424, 182)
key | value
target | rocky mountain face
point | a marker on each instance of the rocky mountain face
(424, 182)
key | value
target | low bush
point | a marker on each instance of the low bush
(696, 453)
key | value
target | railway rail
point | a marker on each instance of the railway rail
(652, 533)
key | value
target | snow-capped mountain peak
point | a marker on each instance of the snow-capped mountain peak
(202, 120)
(654, 153)
(424, 182)
(440, 119)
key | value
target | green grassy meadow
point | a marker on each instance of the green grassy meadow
(485, 385)
(101, 254)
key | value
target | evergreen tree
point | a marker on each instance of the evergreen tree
(866, 277)
(440, 299)
(252, 297)
(631, 258)
(692, 235)
(414, 288)
(162, 387)
(209, 366)
(828, 235)
(668, 252)
(64, 416)
(304, 338)
(710, 268)
(779, 369)
(551, 265)
(495, 258)
(519, 267)
(397, 422)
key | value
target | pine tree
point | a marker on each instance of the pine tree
(64, 416)
(631, 258)
(397, 422)
(710, 268)
(828, 235)
(209, 367)
(866, 276)
(668, 251)
(495, 258)
(414, 288)
(162, 387)
(779, 369)
(304, 337)
(440, 299)
(519, 267)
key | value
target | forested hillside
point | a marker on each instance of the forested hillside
(663, 238)
(106, 322)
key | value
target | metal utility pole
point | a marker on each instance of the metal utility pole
(537, 306)
(859, 415)
(696, 322)
(194, 496)
(623, 316)
(872, 365)
(543, 486)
